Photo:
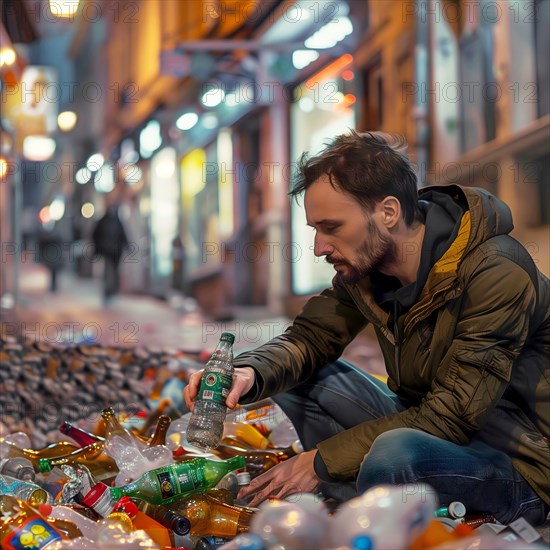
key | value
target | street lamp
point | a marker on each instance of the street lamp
(66, 121)
(64, 8)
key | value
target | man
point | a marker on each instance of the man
(110, 240)
(462, 317)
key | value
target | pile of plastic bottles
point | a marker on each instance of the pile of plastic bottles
(158, 492)
(131, 479)
(128, 487)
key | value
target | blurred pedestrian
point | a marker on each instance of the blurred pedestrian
(50, 254)
(110, 240)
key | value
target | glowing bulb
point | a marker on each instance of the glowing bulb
(187, 121)
(87, 210)
(66, 121)
(64, 8)
(7, 56)
(95, 162)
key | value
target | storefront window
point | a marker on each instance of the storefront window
(164, 210)
(323, 107)
(200, 195)
(192, 183)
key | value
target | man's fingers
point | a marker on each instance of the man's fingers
(191, 390)
(243, 380)
(256, 484)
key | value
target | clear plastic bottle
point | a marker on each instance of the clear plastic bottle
(18, 467)
(206, 425)
(133, 457)
(87, 526)
(23, 490)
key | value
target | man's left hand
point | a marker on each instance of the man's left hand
(295, 475)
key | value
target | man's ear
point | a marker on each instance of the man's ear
(391, 211)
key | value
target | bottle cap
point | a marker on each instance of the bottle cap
(124, 504)
(243, 478)
(178, 523)
(227, 337)
(45, 509)
(179, 451)
(99, 499)
(107, 412)
(44, 465)
(457, 509)
(65, 428)
(362, 542)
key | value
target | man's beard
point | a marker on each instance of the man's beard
(376, 251)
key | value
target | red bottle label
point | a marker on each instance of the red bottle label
(33, 534)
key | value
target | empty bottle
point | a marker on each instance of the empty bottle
(209, 516)
(174, 482)
(22, 526)
(9, 449)
(132, 456)
(23, 490)
(100, 465)
(18, 467)
(245, 435)
(177, 523)
(114, 431)
(82, 437)
(159, 435)
(206, 425)
(258, 462)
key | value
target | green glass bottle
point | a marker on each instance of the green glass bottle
(179, 480)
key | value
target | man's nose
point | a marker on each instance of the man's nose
(321, 247)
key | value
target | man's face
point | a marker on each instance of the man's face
(354, 241)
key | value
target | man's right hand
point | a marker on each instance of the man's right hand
(243, 380)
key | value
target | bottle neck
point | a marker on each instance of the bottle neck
(82, 437)
(159, 437)
(112, 425)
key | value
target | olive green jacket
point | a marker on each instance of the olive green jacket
(472, 353)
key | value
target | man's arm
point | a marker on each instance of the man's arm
(492, 328)
(318, 335)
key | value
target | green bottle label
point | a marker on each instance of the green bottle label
(178, 479)
(215, 387)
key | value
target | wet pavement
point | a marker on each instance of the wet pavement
(76, 313)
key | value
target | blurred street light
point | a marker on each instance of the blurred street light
(66, 121)
(87, 210)
(7, 56)
(95, 162)
(3, 167)
(38, 148)
(64, 8)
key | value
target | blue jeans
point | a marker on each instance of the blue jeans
(339, 396)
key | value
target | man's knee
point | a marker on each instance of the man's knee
(395, 457)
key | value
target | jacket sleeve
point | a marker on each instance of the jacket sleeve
(497, 303)
(318, 335)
